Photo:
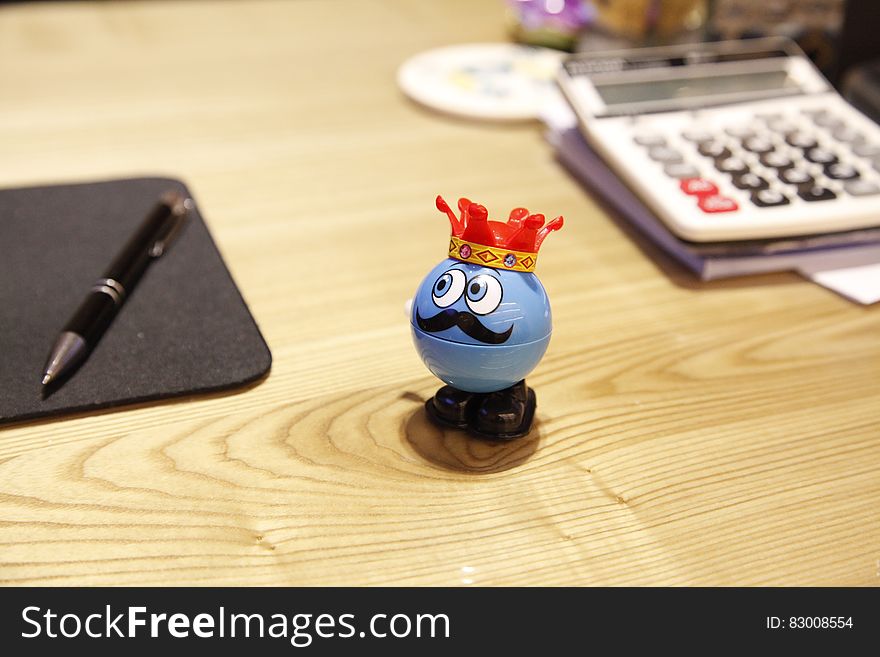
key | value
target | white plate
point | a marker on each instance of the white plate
(497, 81)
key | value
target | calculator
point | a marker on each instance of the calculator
(725, 141)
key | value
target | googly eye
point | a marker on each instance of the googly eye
(483, 294)
(448, 288)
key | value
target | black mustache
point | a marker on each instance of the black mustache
(464, 320)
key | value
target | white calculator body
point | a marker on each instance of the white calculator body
(730, 141)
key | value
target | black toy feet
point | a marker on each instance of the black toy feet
(502, 415)
(450, 406)
(505, 414)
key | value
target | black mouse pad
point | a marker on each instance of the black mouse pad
(185, 328)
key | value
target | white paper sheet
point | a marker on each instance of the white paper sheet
(860, 283)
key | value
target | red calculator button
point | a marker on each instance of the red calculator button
(698, 187)
(717, 204)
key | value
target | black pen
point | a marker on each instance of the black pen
(80, 335)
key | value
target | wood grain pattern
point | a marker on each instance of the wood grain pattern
(687, 433)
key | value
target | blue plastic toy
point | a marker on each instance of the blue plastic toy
(481, 321)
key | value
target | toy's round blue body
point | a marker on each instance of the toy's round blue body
(480, 329)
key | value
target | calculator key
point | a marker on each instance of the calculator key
(776, 160)
(650, 139)
(826, 119)
(750, 181)
(848, 135)
(861, 188)
(866, 150)
(801, 140)
(758, 145)
(766, 198)
(714, 149)
(740, 132)
(665, 155)
(816, 193)
(698, 187)
(713, 204)
(841, 171)
(829, 122)
(697, 136)
(820, 156)
(732, 165)
(795, 177)
(681, 170)
(781, 126)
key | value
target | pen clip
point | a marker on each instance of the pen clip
(180, 207)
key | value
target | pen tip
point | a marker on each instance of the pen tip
(47, 378)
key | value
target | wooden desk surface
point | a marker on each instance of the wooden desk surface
(688, 433)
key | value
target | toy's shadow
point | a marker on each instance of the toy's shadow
(456, 450)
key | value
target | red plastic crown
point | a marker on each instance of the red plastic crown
(513, 245)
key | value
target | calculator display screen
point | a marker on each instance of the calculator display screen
(694, 87)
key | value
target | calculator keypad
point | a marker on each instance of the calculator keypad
(775, 159)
